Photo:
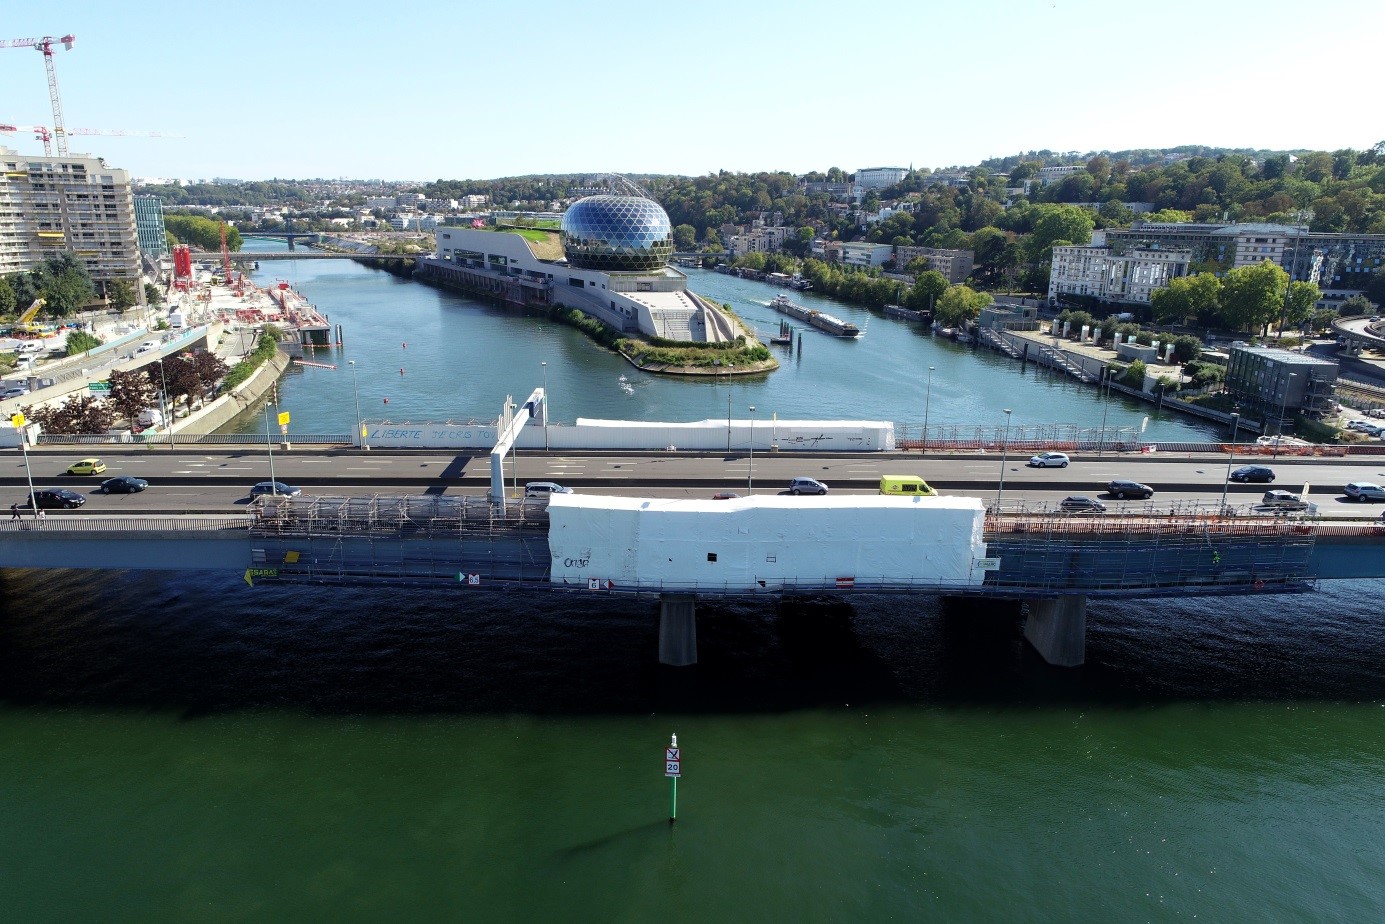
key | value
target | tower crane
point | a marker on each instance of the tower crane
(45, 46)
(42, 133)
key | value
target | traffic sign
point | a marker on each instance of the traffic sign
(17, 420)
(99, 388)
(671, 768)
(672, 753)
(284, 419)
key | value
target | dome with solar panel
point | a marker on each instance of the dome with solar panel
(617, 234)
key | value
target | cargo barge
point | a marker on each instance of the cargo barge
(821, 320)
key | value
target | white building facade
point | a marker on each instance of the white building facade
(1131, 277)
(879, 177)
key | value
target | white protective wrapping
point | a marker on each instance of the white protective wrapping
(765, 542)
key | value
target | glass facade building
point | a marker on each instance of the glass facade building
(149, 225)
(619, 234)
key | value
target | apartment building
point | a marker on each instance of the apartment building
(149, 226)
(1049, 175)
(1339, 262)
(1275, 381)
(757, 240)
(75, 203)
(866, 255)
(1101, 273)
(955, 265)
(879, 177)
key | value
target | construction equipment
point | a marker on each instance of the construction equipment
(226, 262)
(25, 324)
(42, 133)
(45, 46)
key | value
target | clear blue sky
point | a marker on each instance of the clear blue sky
(422, 90)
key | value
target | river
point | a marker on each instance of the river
(185, 747)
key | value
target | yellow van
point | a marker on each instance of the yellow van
(910, 485)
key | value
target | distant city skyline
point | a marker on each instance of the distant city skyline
(424, 90)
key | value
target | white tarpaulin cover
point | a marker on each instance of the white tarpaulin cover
(764, 542)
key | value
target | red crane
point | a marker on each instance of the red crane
(45, 45)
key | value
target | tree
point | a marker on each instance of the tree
(960, 304)
(8, 300)
(1135, 374)
(800, 243)
(79, 341)
(1302, 300)
(929, 286)
(1356, 306)
(1375, 289)
(684, 238)
(209, 368)
(80, 414)
(153, 294)
(121, 294)
(1059, 223)
(1187, 298)
(1187, 348)
(131, 392)
(1116, 213)
(1252, 296)
(754, 261)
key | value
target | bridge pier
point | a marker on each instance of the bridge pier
(1057, 628)
(677, 629)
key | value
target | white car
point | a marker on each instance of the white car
(147, 345)
(1049, 460)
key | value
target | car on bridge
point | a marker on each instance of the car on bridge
(1049, 460)
(1279, 499)
(1120, 489)
(55, 499)
(1081, 504)
(804, 485)
(275, 488)
(725, 495)
(87, 467)
(123, 484)
(545, 489)
(1364, 492)
(1251, 473)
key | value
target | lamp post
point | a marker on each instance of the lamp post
(927, 399)
(1105, 407)
(21, 424)
(547, 406)
(164, 403)
(356, 391)
(1283, 403)
(750, 476)
(269, 444)
(728, 415)
(1004, 457)
(1231, 454)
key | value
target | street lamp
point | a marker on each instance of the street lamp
(547, 406)
(1105, 407)
(728, 414)
(355, 390)
(927, 399)
(21, 425)
(1004, 457)
(1283, 403)
(269, 444)
(1231, 454)
(164, 403)
(750, 477)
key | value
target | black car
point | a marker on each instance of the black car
(56, 499)
(125, 484)
(1247, 473)
(1121, 489)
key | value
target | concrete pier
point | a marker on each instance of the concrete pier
(1057, 628)
(677, 630)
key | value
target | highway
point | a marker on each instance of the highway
(194, 480)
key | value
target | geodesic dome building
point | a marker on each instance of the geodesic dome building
(617, 234)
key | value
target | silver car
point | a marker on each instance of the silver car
(1049, 460)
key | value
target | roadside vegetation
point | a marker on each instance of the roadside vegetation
(264, 350)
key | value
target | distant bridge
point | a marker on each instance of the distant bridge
(245, 256)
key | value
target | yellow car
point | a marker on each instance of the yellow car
(87, 467)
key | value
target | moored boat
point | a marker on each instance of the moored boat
(819, 319)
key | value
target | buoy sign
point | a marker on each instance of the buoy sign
(673, 761)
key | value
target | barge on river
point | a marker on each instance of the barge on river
(821, 320)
